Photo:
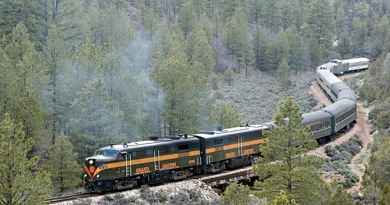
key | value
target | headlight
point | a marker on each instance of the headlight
(90, 162)
(97, 176)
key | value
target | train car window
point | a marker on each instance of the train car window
(183, 146)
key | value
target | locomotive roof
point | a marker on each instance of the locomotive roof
(315, 116)
(230, 131)
(151, 143)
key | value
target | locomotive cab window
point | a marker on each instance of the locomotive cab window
(107, 152)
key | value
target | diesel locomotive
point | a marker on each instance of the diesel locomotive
(160, 160)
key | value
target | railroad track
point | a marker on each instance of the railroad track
(74, 196)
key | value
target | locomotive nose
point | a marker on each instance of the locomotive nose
(90, 166)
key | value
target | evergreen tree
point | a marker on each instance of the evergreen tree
(339, 196)
(321, 29)
(282, 199)
(29, 13)
(283, 71)
(201, 56)
(56, 54)
(236, 194)
(293, 173)
(180, 87)
(23, 75)
(21, 179)
(237, 38)
(385, 196)
(225, 115)
(62, 165)
(186, 18)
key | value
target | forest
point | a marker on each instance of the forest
(77, 75)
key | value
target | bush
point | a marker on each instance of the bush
(340, 156)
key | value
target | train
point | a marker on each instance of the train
(159, 160)
(339, 67)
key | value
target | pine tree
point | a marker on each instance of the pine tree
(237, 38)
(385, 196)
(339, 196)
(29, 13)
(186, 18)
(62, 165)
(201, 55)
(23, 75)
(321, 29)
(174, 76)
(282, 199)
(225, 115)
(283, 71)
(236, 194)
(21, 179)
(292, 173)
(56, 53)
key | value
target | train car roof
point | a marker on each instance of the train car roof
(231, 131)
(347, 94)
(355, 60)
(339, 106)
(329, 77)
(338, 87)
(314, 116)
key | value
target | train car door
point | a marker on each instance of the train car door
(156, 158)
(239, 145)
(128, 166)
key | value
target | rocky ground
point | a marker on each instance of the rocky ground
(256, 96)
(191, 192)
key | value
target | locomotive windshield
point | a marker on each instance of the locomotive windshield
(107, 152)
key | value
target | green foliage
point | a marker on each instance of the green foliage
(29, 13)
(236, 194)
(385, 196)
(62, 165)
(284, 168)
(321, 29)
(283, 71)
(340, 157)
(282, 199)
(21, 179)
(21, 80)
(237, 38)
(182, 84)
(225, 115)
(377, 173)
(339, 196)
(229, 76)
